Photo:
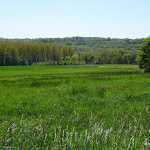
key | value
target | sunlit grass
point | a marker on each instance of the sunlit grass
(119, 67)
(74, 107)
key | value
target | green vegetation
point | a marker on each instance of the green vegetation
(74, 107)
(144, 56)
(88, 43)
(28, 53)
(109, 57)
(12, 53)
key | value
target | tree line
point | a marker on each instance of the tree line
(12, 53)
(109, 57)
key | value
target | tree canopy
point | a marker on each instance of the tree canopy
(12, 53)
(144, 56)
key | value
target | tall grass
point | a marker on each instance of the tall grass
(41, 134)
(74, 107)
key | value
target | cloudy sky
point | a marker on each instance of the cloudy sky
(67, 18)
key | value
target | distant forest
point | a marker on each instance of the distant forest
(68, 51)
(87, 43)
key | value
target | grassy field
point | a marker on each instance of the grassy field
(74, 107)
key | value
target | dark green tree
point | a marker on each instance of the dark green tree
(2, 54)
(144, 56)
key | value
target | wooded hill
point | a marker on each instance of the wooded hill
(13, 53)
(69, 51)
(87, 43)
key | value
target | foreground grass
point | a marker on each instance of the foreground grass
(74, 107)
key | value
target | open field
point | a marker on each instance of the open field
(74, 107)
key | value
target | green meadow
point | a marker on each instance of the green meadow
(86, 107)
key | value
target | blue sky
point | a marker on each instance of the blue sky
(67, 18)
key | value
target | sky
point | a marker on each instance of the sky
(69, 18)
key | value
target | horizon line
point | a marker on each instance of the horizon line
(73, 37)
